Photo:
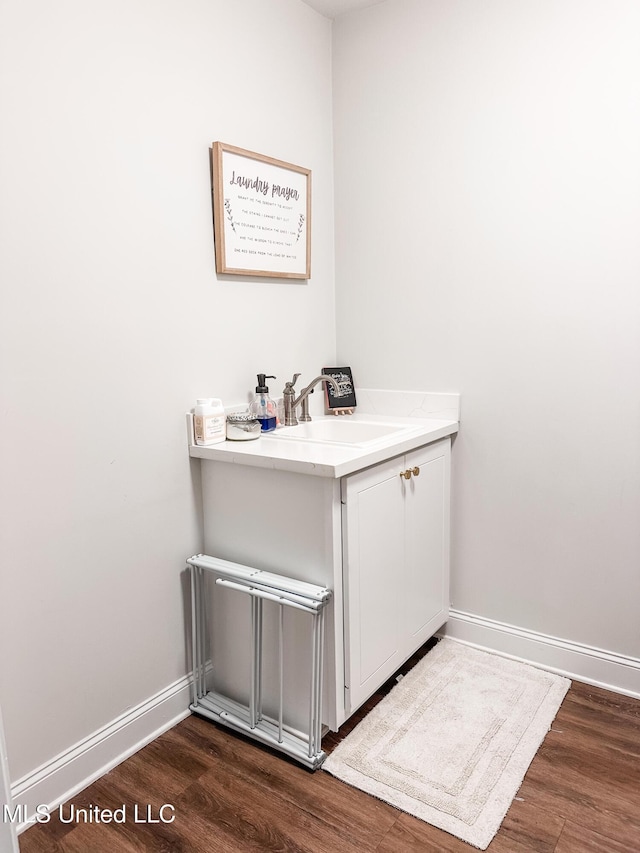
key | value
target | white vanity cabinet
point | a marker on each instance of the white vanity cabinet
(342, 517)
(395, 564)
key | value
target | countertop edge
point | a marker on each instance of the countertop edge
(356, 459)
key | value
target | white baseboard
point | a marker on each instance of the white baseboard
(64, 776)
(595, 666)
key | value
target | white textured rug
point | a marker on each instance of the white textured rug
(451, 743)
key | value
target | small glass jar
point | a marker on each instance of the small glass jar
(242, 426)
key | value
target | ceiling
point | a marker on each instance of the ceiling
(334, 8)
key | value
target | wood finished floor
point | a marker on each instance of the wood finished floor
(580, 795)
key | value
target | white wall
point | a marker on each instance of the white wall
(487, 220)
(113, 320)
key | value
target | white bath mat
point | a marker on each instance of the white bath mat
(451, 743)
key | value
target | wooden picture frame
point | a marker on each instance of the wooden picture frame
(261, 214)
(344, 378)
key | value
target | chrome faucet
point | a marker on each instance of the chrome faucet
(290, 401)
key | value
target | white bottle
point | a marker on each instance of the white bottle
(209, 421)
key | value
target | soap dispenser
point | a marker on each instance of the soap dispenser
(262, 406)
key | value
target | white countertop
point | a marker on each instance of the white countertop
(324, 459)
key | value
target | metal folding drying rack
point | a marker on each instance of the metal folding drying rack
(249, 719)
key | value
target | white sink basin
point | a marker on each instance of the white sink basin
(342, 429)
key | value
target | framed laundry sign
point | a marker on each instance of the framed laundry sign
(261, 214)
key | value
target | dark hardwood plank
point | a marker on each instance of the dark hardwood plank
(355, 815)
(358, 819)
(135, 833)
(162, 770)
(38, 839)
(588, 767)
(232, 807)
(85, 838)
(526, 829)
(577, 839)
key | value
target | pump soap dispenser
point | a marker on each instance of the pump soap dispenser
(262, 406)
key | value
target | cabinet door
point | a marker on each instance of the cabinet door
(426, 602)
(374, 558)
(395, 564)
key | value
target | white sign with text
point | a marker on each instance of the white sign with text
(262, 211)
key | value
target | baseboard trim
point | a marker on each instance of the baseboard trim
(592, 665)
(71, 771)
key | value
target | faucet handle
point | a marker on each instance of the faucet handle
(293, 381)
